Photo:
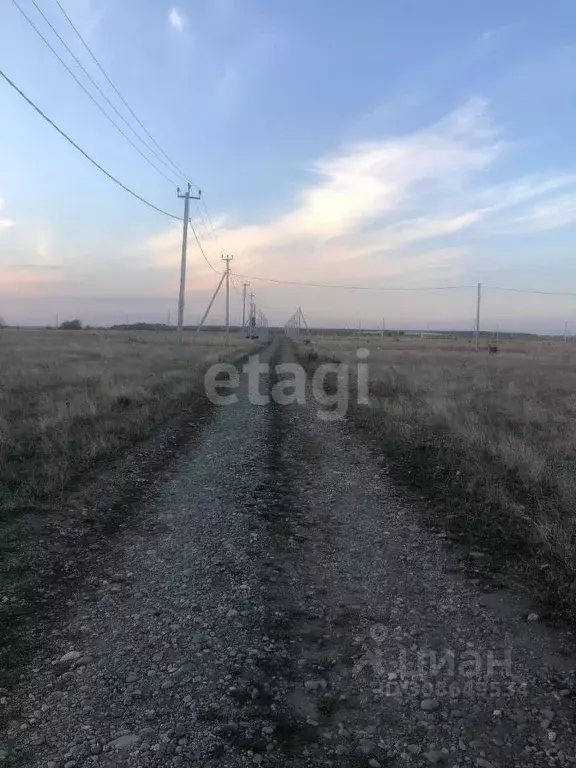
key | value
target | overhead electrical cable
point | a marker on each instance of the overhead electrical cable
(236, 288)
(121, 97)
(354, 287)
(87, 92)
(206, 259)
(529, 290)
(128, 107)
(100, 91)
(200, 215)
(209, 219)
(82, 152)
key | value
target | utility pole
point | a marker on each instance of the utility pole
(227, 259)
(565, 331)
(477, 337)
(199, 328)
(245, 285)
(383, 327)
(187, 196)
(252, 320)
(303, 322)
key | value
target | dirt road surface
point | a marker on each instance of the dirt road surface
(276, 600)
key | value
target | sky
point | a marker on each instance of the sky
(406, 147)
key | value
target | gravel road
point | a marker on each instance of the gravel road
(276, 600)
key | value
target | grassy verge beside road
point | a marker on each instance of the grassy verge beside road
(69, 399)
(493, 438)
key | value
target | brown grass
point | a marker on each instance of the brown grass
(493, 436)
(68, 399)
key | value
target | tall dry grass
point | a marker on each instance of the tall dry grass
(70, 398)
(493, 435)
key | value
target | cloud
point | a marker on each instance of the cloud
(371, 181)
(406, 232)
(379, 207)
(497, 34)
(16, 278)
(163, 251)
(5, 223)
(177, 19)
(557, 212)
(41, 267)
(87, 16)
(511, 194)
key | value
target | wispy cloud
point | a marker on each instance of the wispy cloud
(371, 182)
(554, 213)
(497, 33)
(177, 19)
(375, 203)
(5, 223)
(12, 277)
(40, 266)
(87, 15)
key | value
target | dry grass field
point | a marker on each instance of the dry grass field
(70, 398)
(494, 436)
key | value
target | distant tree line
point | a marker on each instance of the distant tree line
(71, 325)
(141, 327)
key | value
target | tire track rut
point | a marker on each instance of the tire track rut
(269, 605)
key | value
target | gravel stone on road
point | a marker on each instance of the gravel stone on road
(277, 601)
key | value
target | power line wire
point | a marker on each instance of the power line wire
(214, 269)
(203, 220)
(85, 44)
(215, 234)
(100, 91)
(206, 259)
(172, 216)
(205, 232)
(128, 107)
(354, 287)
(400, 288)
(86, 91)
(82, 152)
(529, 290)
(238, 291)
